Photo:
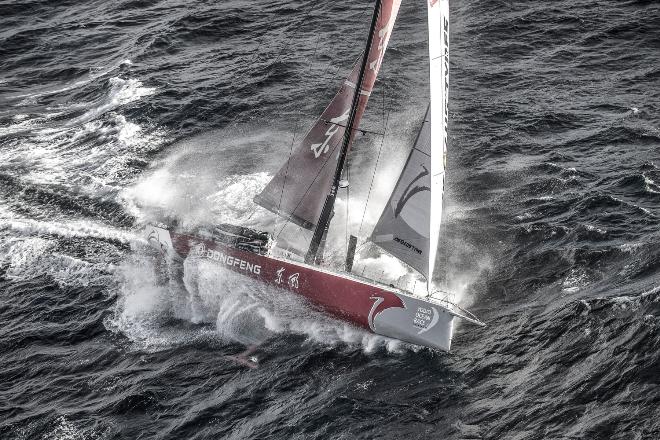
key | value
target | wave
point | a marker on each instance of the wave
(650, 186)
(197, 200)
(98, 150)
(34, 257)
(122, 92)
(72, 229)
(29, 98)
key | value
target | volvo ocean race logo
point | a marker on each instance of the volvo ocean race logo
(425, 319)
(319, 149)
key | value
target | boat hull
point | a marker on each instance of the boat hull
(373, 307)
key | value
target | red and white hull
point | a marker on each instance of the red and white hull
(378, 308)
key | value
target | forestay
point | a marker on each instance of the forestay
(299, 189)
(409, 227)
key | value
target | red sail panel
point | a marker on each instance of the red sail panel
(298, 190)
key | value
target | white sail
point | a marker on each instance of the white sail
(438, 17)
(409, 227)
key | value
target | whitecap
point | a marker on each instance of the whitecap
(122, 92)
(649, 185)
(576, 279)
(31, 98)
(72, 229)
(592, 228)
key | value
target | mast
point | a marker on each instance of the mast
(323, 224)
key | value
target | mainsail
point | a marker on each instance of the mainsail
(299, 189)
(409, 227)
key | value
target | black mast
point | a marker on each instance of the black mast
(328, 207)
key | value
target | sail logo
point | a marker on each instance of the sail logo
(411, 190)
(319, 149)
(408, 245)
(433, 2)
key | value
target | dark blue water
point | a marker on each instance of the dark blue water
(113, 114)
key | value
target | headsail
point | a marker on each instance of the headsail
(409, 227)
(299, 189)
(403, 227)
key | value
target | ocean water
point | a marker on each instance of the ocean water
(113, 114)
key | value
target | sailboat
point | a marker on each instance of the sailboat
(305, 190)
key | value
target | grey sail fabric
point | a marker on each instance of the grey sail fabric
(403, 227)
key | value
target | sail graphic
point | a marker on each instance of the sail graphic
(298, 190)
(409, 227)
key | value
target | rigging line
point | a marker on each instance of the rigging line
(295, 132)
(373, 176)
